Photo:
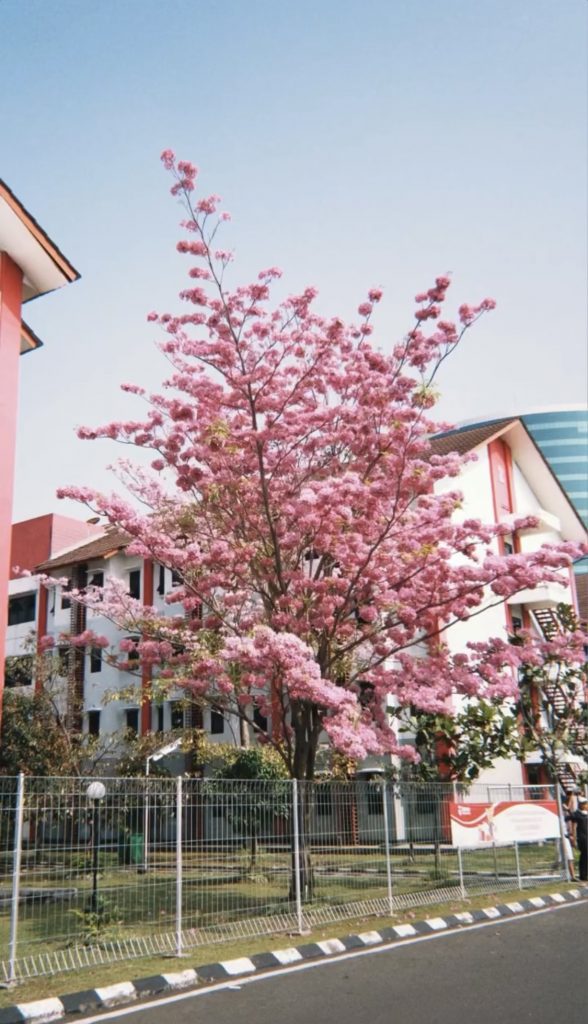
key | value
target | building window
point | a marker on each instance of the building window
(95, 659)
(65, 599)
(97, 578)
(260, 720)
(63, 660)
(132, 719)
(94, 722)
(176, 579)
(324, 801)
(161, 582)
(135, 584)
(177, 714)
(217, 721)
(22, 609)
(18, 671)
(366, 694)
(375, 798)
(158, 717)
(133, 654)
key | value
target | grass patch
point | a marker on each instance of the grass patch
(221, 887)
(92, 977)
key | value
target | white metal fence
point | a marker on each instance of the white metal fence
(133, 867)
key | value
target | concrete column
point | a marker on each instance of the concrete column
(10, 329)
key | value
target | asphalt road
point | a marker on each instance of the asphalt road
(530, 969)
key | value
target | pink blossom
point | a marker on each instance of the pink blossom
(291, 483)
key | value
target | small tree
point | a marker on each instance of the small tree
(36, 738)
(549, 714)
(258, 794)
(553, 702)
(33, 741)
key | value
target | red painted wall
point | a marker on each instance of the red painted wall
(10, 303)
(501, 475)
(31, 544)
(35, 540)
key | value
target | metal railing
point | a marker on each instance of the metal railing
(92, 871)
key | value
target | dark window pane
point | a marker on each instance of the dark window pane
(132, 715)
(323, 800)
(161, 582)
(18, 671)
(135, 584)
(97, 578)
(94, 723)
(375, 801)
(217, 721)
(366, 694)
(260, 720)
(22, 609)
(177, 714)
(95, 659)
(65, 600)
(158, 709)
(63, 656)
(133, 655)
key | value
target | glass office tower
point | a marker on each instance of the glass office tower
(562, 437)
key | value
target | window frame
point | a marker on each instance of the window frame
(19, 599)
(135, 574)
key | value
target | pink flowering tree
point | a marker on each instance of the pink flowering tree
(292, 489)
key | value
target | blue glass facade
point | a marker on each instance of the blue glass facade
(563, 440)
(562, 437)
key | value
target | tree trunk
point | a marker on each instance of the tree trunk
(304, 862)
(306, 722)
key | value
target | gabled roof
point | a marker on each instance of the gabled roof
(28, 339)
(109, 544)
(527, 453)
(465, 439)
(44, 266)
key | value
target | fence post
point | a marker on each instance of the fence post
(146, 819)
(16, 868)
(296, 825)
(460, 869)
(387, 848)
(179, 823)
(518, 864)
(562, 834)
(496, 876)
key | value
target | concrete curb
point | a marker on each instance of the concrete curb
(125, 992)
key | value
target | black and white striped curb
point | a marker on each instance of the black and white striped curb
(44, 1010)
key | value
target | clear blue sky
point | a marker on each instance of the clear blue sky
(355, 142)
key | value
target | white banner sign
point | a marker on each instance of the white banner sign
(505, 822)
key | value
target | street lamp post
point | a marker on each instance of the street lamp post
(170, 748)
(95, 792)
